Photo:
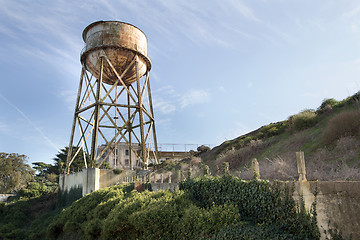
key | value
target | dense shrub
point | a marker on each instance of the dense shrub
(165, 215)
(328, 102)
(18, 214)
(95, 205)
(271, 206)
(346, 123)
(251, 232)
(303, 120)
(112, 213)
(36, 189)
(203, 148)
(272, 129)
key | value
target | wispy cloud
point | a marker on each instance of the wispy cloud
(165, 107)
(352, 13)
(61, 46)
(198, 22)
(194, 97)
(69, 96)
(239, 7)
(168, 100)
(4, 128)
(36, 128)
(238, 130)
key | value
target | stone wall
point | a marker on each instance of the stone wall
(338, 205)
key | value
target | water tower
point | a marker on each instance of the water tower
(114, 102)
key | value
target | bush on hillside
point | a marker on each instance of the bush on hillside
(16, 216)
(96, 205)
(328, 102)
(272, 206)
(272, 129)
(36, 189)
(303, 120)
(203, 148)
(114, 213)
(346, 123)
(251, 232)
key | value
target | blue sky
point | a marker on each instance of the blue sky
(221, 68)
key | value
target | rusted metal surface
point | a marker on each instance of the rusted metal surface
(120, 42)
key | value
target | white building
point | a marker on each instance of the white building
(119, 156)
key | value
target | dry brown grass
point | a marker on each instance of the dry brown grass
(273, 169)
(341, 163)
(346, 123)
(240, 157)
(338, 171)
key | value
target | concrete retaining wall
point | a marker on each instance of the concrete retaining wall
(92, 179)
(108, 177)
(88, 179)
(338, 205)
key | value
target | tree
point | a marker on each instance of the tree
(77, 165)
(61, 157)
(14, 172)
(203, 148)
(45, 172)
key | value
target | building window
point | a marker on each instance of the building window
(127, 152)
(126, 162)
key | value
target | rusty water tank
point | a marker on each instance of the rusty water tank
(120, 42)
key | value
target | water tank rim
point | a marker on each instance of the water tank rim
(86, 52)
(102, 21)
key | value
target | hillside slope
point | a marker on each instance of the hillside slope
(329, 137)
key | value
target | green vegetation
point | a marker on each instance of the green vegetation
(204, 208)
(14, 172)
(36, 189)
(61, 157)
(272, 207)
(24, 218)
(303, 120)
(328, 103)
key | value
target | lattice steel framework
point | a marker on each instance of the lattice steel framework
(111, 113)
